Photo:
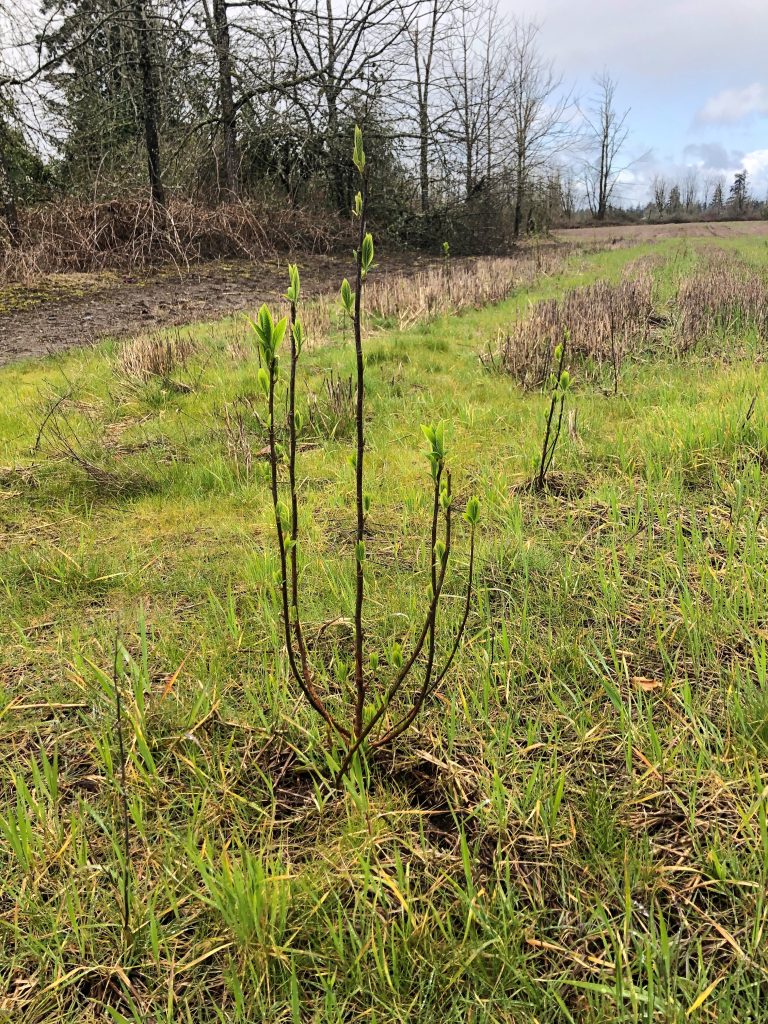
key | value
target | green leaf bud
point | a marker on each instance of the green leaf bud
(396, 656)
(358, 153)
(294, 289)
(347, 297)
(281, 511)
(472, 513)
(367, 254)
(298, 336)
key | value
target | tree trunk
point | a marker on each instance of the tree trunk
(423, 82)
(227, 109)
(7, 197)
(424, 155)
(519, 184)
(334, 143)
(149, 102)
(602, 183)
(336, 154)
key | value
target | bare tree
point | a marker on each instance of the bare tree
(712, 186)
(217, 23)
(537, 110)
(424, 34)
(461, 122)
(659, 188)
(607, 132)
(7, 192)
(150, 104)
(690, 189)
(342, 45)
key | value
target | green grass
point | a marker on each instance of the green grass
(577, 828)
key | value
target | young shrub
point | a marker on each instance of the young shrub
(367, 723)
(558, 386)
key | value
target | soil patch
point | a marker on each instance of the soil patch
(57, 319)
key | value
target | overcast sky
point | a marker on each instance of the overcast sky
(694, 72)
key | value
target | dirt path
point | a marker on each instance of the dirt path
(131, 307)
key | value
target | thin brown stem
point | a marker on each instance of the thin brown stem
(555, 437)
(546, 455)
(298, 632)
(432, 685)
(304, 680)
(360, 687)
(433, 623)
(406, 668)
(123, 796)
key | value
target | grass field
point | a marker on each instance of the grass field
(575, 831)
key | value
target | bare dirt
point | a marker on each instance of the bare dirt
(58, 318)
(638, 233)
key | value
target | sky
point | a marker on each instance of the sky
(694, 74)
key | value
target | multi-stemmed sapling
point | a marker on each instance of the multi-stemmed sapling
(558, 386)
(371, 721)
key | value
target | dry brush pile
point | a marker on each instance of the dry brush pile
(133, 234)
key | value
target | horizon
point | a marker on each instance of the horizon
(691, 76)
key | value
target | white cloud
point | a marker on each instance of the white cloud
(756, 166)
(732, 105)
(636, 183)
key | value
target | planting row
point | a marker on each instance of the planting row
(604, 322)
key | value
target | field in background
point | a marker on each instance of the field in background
(576, 832)
(636, 234)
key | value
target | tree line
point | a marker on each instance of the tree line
(469, 123)
(709, 197)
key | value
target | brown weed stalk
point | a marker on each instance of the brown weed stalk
(604, 322)
(725, 298)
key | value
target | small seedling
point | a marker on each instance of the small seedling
(558, 387)
(368, 722)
